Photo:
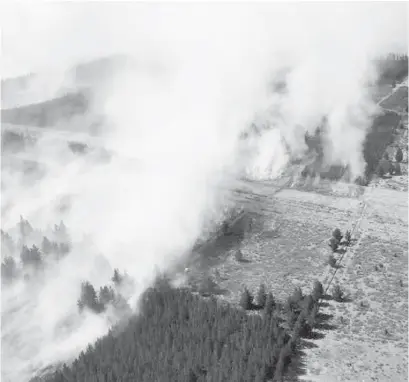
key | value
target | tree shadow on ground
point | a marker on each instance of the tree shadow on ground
(243, 261)
(341, 251)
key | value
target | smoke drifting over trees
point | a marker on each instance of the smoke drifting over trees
(198, 77)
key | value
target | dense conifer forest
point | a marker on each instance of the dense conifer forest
(177, 335)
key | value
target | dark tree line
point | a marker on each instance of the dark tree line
(181, 336)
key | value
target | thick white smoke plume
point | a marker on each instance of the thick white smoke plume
(202, 74)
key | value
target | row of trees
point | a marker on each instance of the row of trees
(181, 336)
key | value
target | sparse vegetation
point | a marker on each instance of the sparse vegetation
(238, 255)
(348, 238)
(318, 290)
(332, 261)
(337, 234)
(334, 244)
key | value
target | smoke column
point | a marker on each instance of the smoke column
(203, 74)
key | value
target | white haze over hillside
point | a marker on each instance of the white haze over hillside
(214, 65)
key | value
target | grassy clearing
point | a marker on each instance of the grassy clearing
(293, 255)
(290, 249)
(370, 339)
(287, 249)
(377, 281)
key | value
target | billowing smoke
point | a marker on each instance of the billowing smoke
(201, 75)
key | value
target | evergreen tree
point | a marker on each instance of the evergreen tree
(8, 269)
(246, 300)
(332, 261)
(399, 155)
(317, 291)
(337, 293)
(269, 305)
(106, 295)
(46, 246)
(333, 243)
(25, 228)
(261, 296)
(117, 277)
(89, 297)
(337, 235)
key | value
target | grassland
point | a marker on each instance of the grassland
(290, 249)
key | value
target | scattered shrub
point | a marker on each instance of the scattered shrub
(336, 234)
(317, 290)
(337, 293)
(239, 256)
(386, 155)
(331, 261)
(333, 243)
(348, 238)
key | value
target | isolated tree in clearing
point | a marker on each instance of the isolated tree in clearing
(331, 261)
(317, 290)
(337, 234)
(337, 293)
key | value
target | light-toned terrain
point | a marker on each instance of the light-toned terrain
(289, 248)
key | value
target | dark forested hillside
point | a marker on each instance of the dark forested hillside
(177, 335)
(180, 336)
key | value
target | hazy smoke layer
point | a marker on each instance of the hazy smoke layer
(202, 75)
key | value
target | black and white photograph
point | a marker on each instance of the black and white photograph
(203, 191)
